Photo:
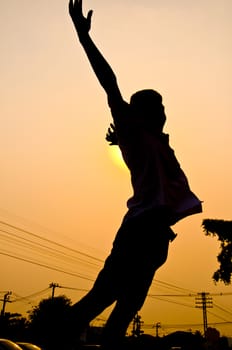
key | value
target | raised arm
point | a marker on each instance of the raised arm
(100, 66)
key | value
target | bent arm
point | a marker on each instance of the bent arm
(102, 69)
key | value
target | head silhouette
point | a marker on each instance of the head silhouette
(148, 108)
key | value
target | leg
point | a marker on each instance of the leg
(97, 300)
(102, 295)
(142, 251)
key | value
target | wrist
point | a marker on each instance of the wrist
(83, 36)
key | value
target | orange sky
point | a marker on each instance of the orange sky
(58, 179)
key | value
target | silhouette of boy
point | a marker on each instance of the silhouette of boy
(161, 198)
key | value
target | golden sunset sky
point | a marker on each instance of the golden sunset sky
(59, 180)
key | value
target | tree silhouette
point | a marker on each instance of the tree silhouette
(223, 230)
(48, 320)
(13, 326)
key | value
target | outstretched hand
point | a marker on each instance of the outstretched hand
(111, 135)
(82, 24)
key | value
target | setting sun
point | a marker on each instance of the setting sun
(116, 156)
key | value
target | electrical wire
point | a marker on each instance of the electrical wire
(222, 309)
(50, 241)
(28, 297)
(47, 266)
(171, 301)
(172, 286)
(35, 245)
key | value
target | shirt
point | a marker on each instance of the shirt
(159, 184)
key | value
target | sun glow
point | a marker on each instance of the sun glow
(116, 156)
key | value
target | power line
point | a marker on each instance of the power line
(169, 285)
(159, 297)
(220, 317)
(172, 295)
(77, 289)
(185, 325)
(49, 250)
(171, 301)
(221, 308)
(47, 267)
(186, 305)
(36, 245)
(50, 241)
(172, 286)
(165, 284)
(20, 298)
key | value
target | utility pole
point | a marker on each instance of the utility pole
(203, 301)
(53, 286)
(137, 323)
(157, 326)
(6, 299)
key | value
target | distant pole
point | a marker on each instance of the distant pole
(157, 326)
(5, 300)
(203, 301)
(137, 323)
(53, 286)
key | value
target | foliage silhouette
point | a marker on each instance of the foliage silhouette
(48, 320)
(13, 326)
(223, 230)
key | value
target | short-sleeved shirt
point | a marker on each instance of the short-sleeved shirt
(159, 184)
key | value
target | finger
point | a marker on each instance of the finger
(89, 15)
(70, 6)
(78, 4)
